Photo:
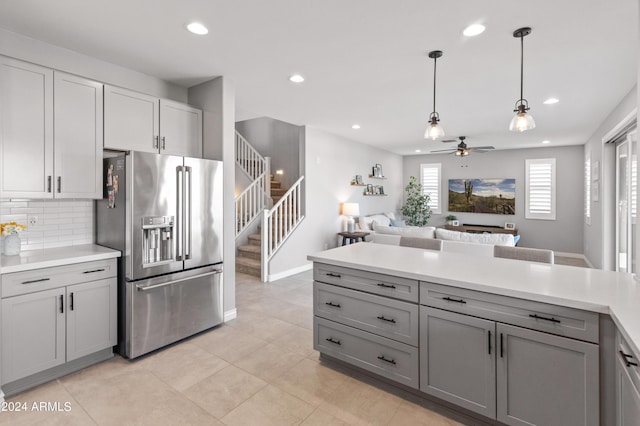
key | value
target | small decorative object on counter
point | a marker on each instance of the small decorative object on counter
(11, 240)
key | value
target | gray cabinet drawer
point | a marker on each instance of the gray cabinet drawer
(553, 319)
(385, 285)
(385, 357)
(26, 282)
(386, 317)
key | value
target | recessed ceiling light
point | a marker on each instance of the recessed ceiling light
(417, 150)
(546, 142)
(355, 126)
(197, 28)
(473, 30)
(296, 78)
(551, 101)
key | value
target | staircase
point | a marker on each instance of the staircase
(248, 259)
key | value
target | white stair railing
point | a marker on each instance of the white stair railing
(250, 203)
(279, 222)
(257, 195)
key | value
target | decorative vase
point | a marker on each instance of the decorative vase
(12, 244)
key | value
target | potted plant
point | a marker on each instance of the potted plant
(450, 219)
(416, 207)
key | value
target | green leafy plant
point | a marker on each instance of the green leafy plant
(416, 207)
(451, 217)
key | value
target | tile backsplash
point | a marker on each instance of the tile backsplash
(60, 223)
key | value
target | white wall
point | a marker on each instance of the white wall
(563, 234)
(278, 140)
(599, 236)
(217, 100)
(330, 164)
(48, 55)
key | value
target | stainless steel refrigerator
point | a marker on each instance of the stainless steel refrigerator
(164, 213)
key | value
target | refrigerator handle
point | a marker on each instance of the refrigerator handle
(179, 217)
(188, 213)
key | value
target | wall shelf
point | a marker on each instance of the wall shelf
(375, 195)
(377, 177)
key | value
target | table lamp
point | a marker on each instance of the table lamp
(350, 210)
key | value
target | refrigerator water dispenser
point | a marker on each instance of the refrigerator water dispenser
(157, 240)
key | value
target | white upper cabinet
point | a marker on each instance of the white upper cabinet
(78, 137)
(50, 133)
(139, 122)
(26, 130)
(131, 120)
(180, 129)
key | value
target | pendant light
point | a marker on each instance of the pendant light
(434, 130)
(522, 121)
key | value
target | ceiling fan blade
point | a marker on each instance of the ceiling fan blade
(481, 147)
(444, 150)
(449, 140)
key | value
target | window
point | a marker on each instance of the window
(541, 189)
(587, 187)
(430, 180)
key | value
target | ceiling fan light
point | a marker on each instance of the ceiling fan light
(521, 122)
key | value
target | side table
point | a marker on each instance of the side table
(353, 237)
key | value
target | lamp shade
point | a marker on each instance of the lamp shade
(351, 209)
(521, 122)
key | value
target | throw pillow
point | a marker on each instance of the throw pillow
(398, 223)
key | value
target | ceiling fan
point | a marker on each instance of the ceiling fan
(462, 150)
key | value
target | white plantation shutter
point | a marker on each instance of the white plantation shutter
(541, 189)
(430, 180)
(587, 188)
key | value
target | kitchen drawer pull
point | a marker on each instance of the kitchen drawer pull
(489, 341)
(536, 316)
(448, 299)
(71, 301)
(382, 318)
(501, 345)
(61, 304)
(386, 285)
(93, 270)
(332, 340)
(331, 274)
(36, 281)
(335, 305)
(626, 357)
(390, 361)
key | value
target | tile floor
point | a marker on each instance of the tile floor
(259, 369)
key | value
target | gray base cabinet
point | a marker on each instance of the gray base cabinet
(56, 315)
(457, 359)
(627, 385)
(546, 380)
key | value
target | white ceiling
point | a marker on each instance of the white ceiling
(365, 61)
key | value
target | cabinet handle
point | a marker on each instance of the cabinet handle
(155, 141)
(390, 361)
(71, 300)
(386, 285)
(48, 183)
(335, 305)
(35, 281)
(94, 270)
(625, 358)
(489, 341)
(332, 340)
(448, 299)
(536, 316)
(164, 145)
(331, 274)
(501, 345)
(59, 184)
(382, 318)
(61, 304)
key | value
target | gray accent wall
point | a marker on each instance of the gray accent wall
(217, 99)
(599, 236)
(563, 234)
(330, 164)
(278, 140)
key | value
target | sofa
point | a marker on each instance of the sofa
(380, 225)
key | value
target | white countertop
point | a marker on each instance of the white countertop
(613, 293)
(36, 259)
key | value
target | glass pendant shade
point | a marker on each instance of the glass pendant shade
(434, 131)
(521, 122)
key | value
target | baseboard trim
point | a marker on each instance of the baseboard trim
(289, 272)
(231, 315)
